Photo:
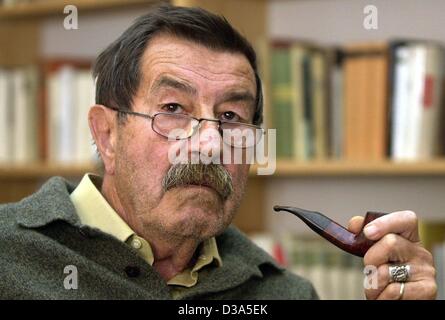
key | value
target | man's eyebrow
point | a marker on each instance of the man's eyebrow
(238, 96)
(169, 82)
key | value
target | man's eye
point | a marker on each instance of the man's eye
(230, 116)
(172, 108)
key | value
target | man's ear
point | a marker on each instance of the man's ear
(103, 126)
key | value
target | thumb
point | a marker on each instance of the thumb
(356, 224)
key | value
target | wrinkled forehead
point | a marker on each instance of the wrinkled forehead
(189, 60)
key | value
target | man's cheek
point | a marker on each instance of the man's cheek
(238, 172)
(239, 175)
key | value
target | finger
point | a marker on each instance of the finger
(356, 224)
(391, 248)
(404, 223)
(393, 292)
(376, 281)
(419, 290)
(379, 278)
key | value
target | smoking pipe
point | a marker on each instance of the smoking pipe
(356, 244)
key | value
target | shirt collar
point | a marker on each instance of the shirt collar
(94, 210)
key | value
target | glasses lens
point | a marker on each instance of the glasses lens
(239, 135)
(174, 126)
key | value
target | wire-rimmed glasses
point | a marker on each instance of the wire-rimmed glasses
(178, 126)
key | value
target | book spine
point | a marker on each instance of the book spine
(319, 105)
(336, 106)
(282, 101)
(400, 102)
(20, 115)
(5, 141)
(415, 106)
(297, 55)
(85, 99)
(428, 147)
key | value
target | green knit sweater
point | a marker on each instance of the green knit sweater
(41, 235)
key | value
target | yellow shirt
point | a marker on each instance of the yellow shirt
(94, 211)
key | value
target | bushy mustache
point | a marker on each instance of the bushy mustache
(211, 175)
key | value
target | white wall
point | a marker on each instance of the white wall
(338, 22)
(96, 31)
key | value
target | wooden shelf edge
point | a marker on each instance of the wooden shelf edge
(36, 171)
(344, 168)
(44, 8)
(283, 169)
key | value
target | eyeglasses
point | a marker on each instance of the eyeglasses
(181, 126)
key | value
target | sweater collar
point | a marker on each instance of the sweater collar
(51, 203)
(242, 261)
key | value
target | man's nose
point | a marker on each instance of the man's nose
(210, 140)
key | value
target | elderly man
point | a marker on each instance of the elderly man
(151, 229)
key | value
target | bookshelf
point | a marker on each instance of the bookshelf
(283, 169)
(50, 7)
(40, 171)
(344, 168)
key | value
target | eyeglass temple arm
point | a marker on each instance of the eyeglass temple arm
(130, 112)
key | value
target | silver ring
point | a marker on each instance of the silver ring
(399, 273)
(402, 290)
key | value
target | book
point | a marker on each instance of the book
(431, 113)
(319, 100)
(366, 101)
(85, 92)
(5, 117)
(417, 102)
(335, 104)
(400, 100)
(281, 99)
(308, 106)
(18, 123)
(298, 52)
(61, 115)
(69, 93)
(24, 148)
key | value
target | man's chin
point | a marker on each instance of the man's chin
(201, 222)
(196, 207)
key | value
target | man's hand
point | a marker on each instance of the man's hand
(398, 243)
